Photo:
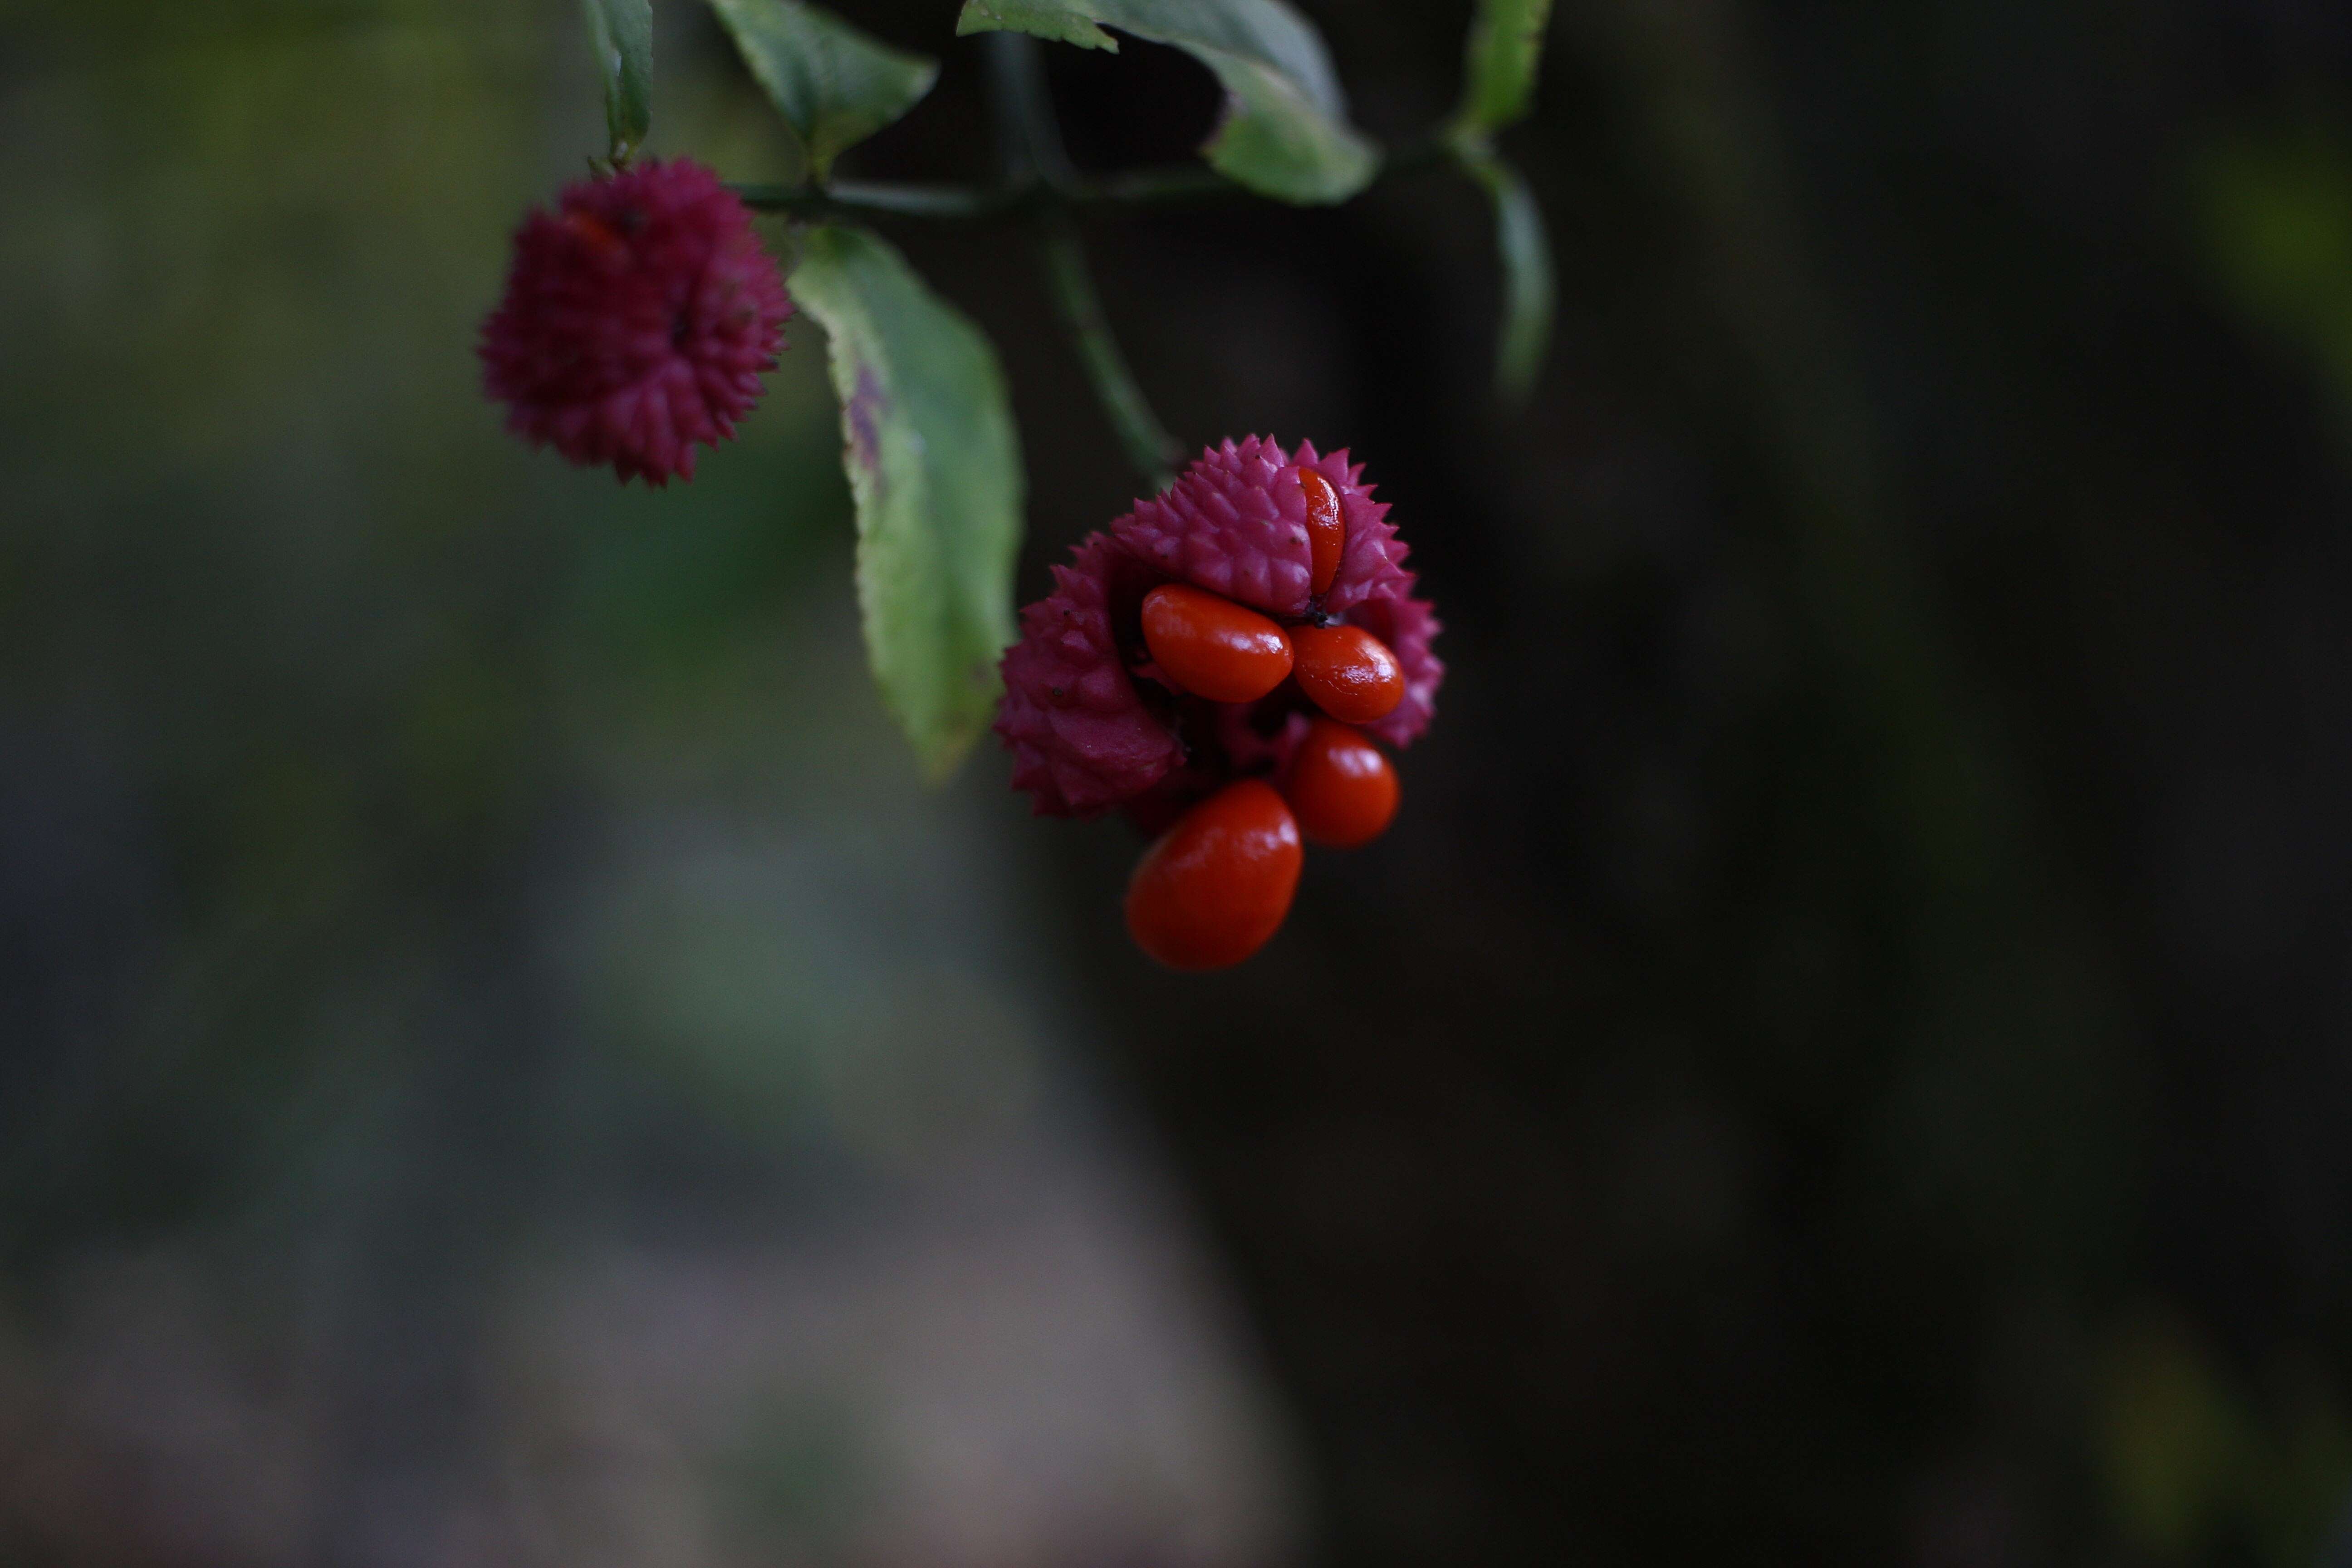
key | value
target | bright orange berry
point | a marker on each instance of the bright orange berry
(1212, 646)
(1340, 787)
(1326, 535)
(1218, 884)
(1348, 672)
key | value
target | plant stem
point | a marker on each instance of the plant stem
(1028, 137)
(1140, 187)
(1039, 182)
(1030, 148)
(860, 197)
(1150, 447)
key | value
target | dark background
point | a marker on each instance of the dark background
(1846, 1056)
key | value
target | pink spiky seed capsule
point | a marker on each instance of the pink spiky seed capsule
(1187, 660)
(1093, 719)
(637, 321)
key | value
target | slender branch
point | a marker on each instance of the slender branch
(1030, 147)
(860, 197)
(1139, 187)
(1150, 447)
(1028, 137)
(1153, 187)
(1039, 182)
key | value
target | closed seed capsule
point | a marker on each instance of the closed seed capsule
(1218, 884)
(1348, 672)
(1212, 648)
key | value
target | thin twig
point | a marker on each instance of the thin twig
(1030, 147)
(1153, 187)
(1150, 447)
(1039, 182)
(865, 198)
(1028, 137)
(1139, 187)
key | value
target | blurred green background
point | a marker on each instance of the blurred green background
(1846, 1057)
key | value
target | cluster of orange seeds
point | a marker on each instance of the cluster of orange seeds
(1227, 665)
(1219, 883)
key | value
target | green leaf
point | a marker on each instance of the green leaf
(834, 85)
(1057, 22)
(1525, 252)
(1498, 68)
(621, 32)
(1285, 133)
(935, 469)
(2273, 210)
